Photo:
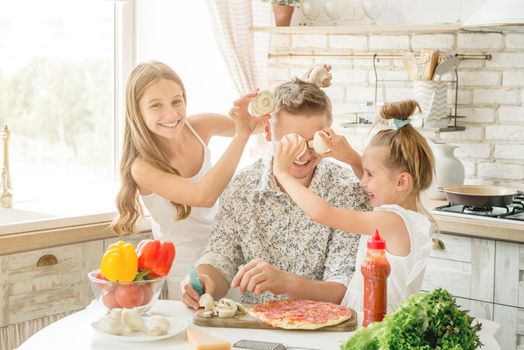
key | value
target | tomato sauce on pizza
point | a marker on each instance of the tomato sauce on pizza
(300, 314)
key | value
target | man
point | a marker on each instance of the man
(261, 241)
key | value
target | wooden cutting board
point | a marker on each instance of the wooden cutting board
(248, 321)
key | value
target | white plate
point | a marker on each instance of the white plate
(177, 326)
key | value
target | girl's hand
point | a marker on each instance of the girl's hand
(245, 123)
(339, 147)
(327, 82)
(285, 153)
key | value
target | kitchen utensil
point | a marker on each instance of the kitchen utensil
(431, 64)
(195, 282)
(410, 65)
(480, 196)
(449, 63)
(248, 321)
(265, 345)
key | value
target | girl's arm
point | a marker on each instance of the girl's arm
(359, 222)
(211, 124)
(205, 192)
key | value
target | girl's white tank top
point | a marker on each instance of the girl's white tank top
(190, 235)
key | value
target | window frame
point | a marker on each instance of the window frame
(125, 59)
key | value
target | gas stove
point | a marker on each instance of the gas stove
(514, 211)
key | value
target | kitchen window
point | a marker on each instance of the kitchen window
(62, 67)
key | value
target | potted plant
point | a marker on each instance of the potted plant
(283, 10)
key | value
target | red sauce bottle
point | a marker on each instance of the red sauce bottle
(375, 269)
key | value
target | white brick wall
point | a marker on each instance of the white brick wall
(491, 93)
(353, 42)
(434, 41)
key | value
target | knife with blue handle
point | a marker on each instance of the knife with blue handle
(195, 282)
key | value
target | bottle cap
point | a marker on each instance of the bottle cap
(376, 242)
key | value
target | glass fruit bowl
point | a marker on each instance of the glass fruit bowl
(127, 295)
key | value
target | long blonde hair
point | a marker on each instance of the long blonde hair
(139, 141)
(408, 149)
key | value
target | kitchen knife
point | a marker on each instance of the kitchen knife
(195, 282)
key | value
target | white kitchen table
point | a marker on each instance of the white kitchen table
(75, 332)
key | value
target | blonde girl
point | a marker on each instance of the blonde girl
(397, 165)
(166, 162)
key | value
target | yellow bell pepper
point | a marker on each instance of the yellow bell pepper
(120, 262)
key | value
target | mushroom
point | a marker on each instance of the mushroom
(226, 308)
(109, 324)
(206, 301)
(158, 325)
(241, 309)
(318, 76)
(208, 314)
(295, 139)
(318, 143)
(132, 318)
(262, 104)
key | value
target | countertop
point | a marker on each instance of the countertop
(76, 329)
(93, 224)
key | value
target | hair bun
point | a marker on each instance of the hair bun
(399, 110)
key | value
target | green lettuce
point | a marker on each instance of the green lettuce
(424, 321)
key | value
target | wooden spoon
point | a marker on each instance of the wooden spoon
(431, 65)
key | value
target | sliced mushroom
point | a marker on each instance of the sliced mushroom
(208, 314)
(225, 313)
(206, 301)
(227, 308)
(241, 309)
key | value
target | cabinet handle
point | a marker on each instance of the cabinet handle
(47, 260)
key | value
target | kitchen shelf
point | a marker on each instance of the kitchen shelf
(362, 29)
(353, 125)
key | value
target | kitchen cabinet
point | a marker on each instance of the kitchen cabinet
(465, 268)
(40, 286)
(487, 277)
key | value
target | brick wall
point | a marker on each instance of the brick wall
(491, 93)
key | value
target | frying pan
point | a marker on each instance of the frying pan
(478, 196)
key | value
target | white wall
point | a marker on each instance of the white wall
(404, 12)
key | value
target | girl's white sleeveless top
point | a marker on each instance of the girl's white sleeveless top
(190, 235)
(407, 272)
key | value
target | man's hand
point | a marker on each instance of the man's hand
(258, 276)
(189, 296)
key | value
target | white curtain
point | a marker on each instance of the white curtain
(244, 52)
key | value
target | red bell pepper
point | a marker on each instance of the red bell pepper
(155, 256)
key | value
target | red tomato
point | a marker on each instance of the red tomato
(148, 294)
(108, 286)
(108, 299)
(129, 295)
